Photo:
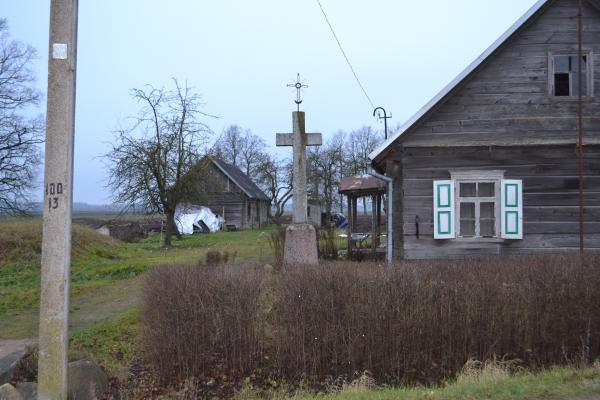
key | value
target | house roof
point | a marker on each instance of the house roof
(242, 180)
(531, 13)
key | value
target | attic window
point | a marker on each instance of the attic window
(565, 75)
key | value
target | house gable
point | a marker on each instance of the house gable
(503, 97)
(241, 180)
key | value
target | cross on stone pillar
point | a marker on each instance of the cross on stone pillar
(300, 236)
(298, 139)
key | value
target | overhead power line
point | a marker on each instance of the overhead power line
(344, 54)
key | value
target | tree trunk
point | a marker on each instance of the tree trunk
(171, 228)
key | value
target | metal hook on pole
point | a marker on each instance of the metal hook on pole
(385, 118)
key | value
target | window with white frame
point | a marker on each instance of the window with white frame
(478, 205)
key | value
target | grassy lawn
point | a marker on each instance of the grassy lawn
(112, 342)
(556, 383)
(104, 271)
(551, 384)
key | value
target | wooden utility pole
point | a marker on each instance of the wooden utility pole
(58, 199)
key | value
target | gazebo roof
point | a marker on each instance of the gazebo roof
(362, 185)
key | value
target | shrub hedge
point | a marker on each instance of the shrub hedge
(419, 322)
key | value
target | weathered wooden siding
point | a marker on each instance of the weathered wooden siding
(550, 198)
(506, 101)
(259, 213)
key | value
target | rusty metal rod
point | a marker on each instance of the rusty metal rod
(581, 164)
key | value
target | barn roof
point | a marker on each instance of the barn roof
(530, 14)
(242, 180)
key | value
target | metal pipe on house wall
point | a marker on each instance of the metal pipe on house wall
(580, 122)
(388, 213)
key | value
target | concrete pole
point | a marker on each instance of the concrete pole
(300, 197)
(58, 190)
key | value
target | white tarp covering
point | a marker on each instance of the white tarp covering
(187, 216)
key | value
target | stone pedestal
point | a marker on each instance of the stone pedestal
(300, 245)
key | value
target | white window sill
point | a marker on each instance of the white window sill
(480, 240)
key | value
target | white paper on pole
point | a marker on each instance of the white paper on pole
(59, 51)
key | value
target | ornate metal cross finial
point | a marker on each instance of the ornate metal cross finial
(298, 86)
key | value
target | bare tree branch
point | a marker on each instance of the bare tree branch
(20, 136)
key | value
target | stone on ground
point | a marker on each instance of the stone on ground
(9, 392)
(86, 381)
(28, 390)
(8, 365)
(300, 245)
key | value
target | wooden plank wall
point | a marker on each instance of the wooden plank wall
(506, 101)
(259, 213)
(232, 203)
(550, 197)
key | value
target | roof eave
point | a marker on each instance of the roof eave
(462, 76)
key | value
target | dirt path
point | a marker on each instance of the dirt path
(20, 330)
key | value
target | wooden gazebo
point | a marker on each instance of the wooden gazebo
(354, 188)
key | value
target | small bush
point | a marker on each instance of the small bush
(327, 244)
(201, 321)
(277, 242)
(215, 258)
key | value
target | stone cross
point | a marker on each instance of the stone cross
(300, 237)
(298, 139)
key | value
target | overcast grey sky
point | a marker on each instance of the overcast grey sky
(240, 54)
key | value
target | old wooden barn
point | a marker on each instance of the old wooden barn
(490, 165)
(233, 195)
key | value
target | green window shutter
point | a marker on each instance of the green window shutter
(512, 209)
(443, 210)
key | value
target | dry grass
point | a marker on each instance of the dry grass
(21, 242)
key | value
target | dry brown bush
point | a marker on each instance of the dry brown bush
(424, 320)
(327, 243)
(201, 321)
(277, 242)
(420, 322)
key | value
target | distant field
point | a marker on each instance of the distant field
(77, 216)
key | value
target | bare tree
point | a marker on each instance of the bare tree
(228, 145)
(156, 161)
(359, 144)
(275, 178)
(20, 136)
(241, 148)
(324, 164)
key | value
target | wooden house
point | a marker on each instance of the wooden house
(233, 195)
(490, 165)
